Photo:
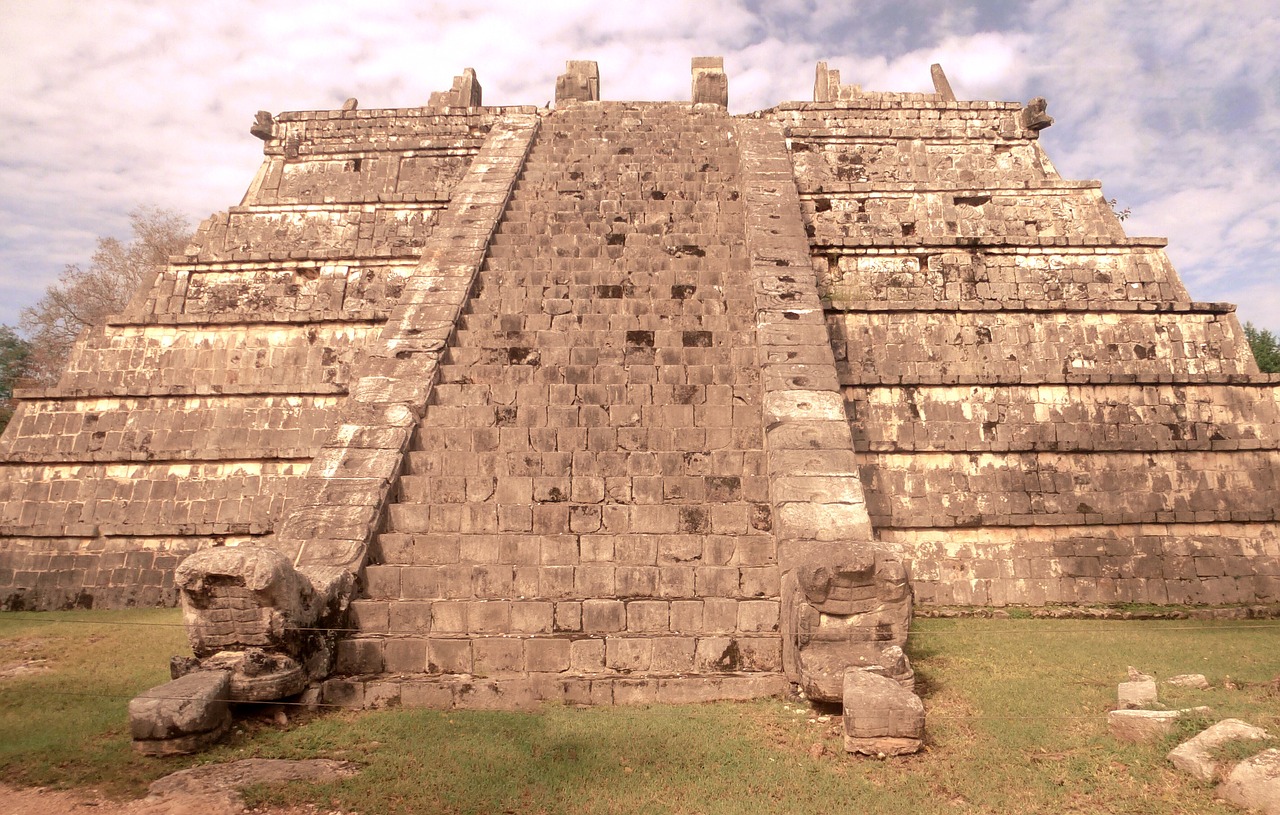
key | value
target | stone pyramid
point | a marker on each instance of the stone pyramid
(643, 401)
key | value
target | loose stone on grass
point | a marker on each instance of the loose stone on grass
(1136, 694)
(1146, 725)
(181, 716)
(881, 718)
(1194, 756)
(1254, 783)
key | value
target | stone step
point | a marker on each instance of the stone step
(639, 486)
(391, 550)
(554, 517)
(566, 654)
(527, 690)
(636, 451)
(519, 586)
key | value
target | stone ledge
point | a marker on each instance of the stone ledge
(872, 100)
(252, 318)
(424, 112)
(828, 190)
(949, 380)
(526, 691)
(1036, 306)
(203, 455)
(820, 244)
(57, 393)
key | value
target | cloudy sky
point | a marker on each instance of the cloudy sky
(1174, 105)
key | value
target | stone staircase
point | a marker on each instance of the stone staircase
(586, 498)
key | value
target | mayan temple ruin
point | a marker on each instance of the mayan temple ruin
(615, 402)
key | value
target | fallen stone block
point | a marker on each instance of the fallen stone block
(1254, 784)
(1146, 725)
(1197, 681)
(181, 716)
(1136, 694)
(1194, 757)
(824, 665)
(881, 718)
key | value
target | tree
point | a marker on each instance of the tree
(1266, 348)
(15, 354)
(84, 298)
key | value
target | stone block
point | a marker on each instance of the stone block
(635, 691)
(404, 656)
(628, 653)
(881, 718)
(428, 694)
(409, 617)
(1254, 784)
(1145, 725)
(710, 84)
(648, 616)
(547, 655)
(758, 615)
(1195, 755)
(359, 656)
(603, 616)
(1136, 694)
(449, 656)
(181, 716)
(587, 655)
(495, 655)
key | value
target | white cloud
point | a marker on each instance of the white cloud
(1175, 106)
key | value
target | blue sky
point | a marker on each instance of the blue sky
(1174, 105)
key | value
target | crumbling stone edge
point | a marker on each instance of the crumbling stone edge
(846, 598)
(267, 618)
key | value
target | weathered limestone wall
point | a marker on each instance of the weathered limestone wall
(1010, 276)
(1043, 415)
(1043, 346)
(187, 420)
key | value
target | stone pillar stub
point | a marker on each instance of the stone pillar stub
(579, 83)
(710, 83)
(822, 83)
(940, 83)
(827, 87)
(465, 92)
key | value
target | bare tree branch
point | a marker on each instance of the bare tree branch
(85, 298)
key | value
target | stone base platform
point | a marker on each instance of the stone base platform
(524, 691)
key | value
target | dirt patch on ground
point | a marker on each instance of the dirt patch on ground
(208, 790)
(10, 670)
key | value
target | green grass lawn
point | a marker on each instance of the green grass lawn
(1016, 724)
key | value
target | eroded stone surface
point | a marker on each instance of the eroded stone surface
(1136, 694)
(880, 716)
(1194, 756)
(1254, 784)
(182, 715)
(1147, 725)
